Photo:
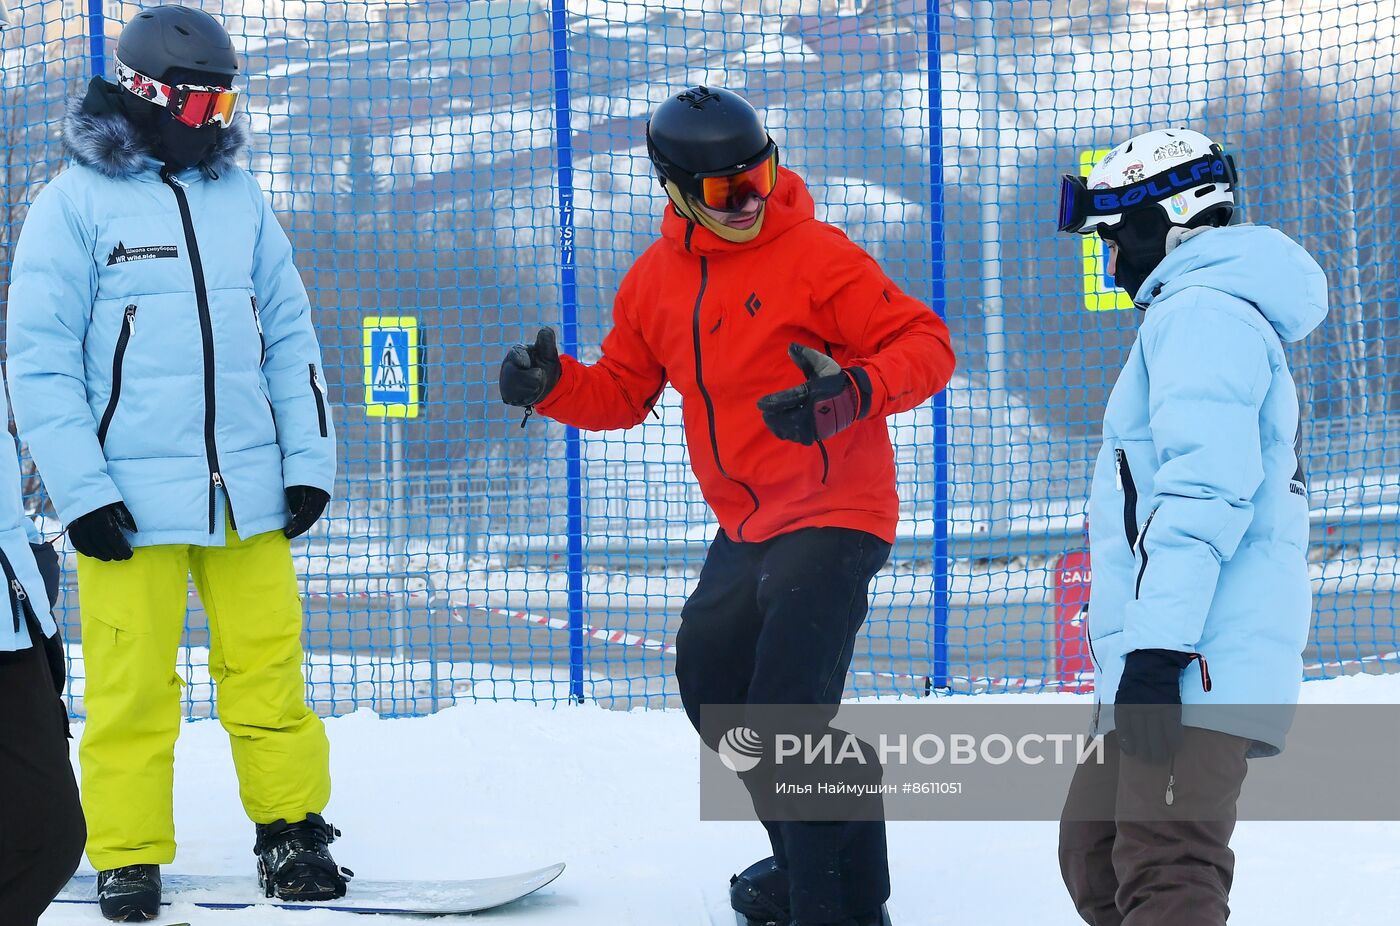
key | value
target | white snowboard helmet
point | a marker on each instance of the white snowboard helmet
(1149, 194)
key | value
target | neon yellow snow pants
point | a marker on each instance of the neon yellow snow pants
(133, 616)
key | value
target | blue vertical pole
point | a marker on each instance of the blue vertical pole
(939, 298)
(97, 33)
(568, 291)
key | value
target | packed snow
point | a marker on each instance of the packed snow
(493, 788)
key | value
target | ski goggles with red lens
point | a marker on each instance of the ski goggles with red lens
(731, 190)
(195, 106)
(725, 190)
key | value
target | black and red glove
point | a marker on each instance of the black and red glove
(830, 401)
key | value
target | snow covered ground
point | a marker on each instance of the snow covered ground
(492, 788)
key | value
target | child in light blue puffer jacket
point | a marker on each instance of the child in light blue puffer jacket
(1198, 514)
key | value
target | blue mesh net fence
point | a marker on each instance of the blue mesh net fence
(418, 155)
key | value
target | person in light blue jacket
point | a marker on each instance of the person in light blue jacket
(167, 378)
(41, 819)
(1201, 604)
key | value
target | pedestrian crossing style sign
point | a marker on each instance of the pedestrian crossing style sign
(1101, 294)
(391, 367)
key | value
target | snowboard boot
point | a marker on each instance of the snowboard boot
(130, 894)
(294, 861)
(760, 894)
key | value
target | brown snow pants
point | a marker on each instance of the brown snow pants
(1130, 858)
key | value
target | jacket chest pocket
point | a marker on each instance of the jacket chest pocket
(1125, 482)
(124, 336)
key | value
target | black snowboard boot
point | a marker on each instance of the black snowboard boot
(760, 893)
(130, 894)
(294, 861)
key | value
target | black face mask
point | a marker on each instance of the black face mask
(1142, 245)
(180, 145)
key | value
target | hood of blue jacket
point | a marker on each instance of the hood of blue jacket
(1258, 264)
(97, 136)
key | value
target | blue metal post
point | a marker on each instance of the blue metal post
(568, 291)
(97, 33)
(939, 298)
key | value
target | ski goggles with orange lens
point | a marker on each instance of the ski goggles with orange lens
(193, 105)
(730, 190)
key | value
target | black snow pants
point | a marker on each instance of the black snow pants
(41, 821)
(775, 623)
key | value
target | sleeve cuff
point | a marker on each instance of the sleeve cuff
(864, 390)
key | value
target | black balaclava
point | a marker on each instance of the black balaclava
(179, 145)
(172, 142)
(1142, 245)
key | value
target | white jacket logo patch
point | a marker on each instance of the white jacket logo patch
(121, 254)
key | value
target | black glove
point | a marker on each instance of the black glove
(830, 401)
(101, 534)
(1147, 707)
(530, 372)
(306, 504)
(46, 558)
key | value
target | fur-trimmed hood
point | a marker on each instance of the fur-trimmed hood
(109, 143)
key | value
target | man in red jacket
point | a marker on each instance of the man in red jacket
(789, 347)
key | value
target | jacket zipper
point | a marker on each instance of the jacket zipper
(1170, 796)
(705, 393)
(123, 339)
(206, 331)
(20, 606)
(1088, 638)
(821, 444)
(1142, 553)
(1205, 671)
(320, 399)
(826, 460)
(1130, 498)
(262, 339)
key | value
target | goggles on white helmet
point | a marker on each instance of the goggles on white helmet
(1080, 205)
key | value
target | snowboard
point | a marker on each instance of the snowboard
(434, 898)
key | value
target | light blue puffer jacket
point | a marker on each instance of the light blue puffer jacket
(161, 350)
(1198, 514)
(16, 559)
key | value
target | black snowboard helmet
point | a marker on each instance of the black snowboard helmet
(709, 133)
(191, 52)
(166, 39)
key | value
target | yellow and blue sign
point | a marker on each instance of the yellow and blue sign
(1101, 294)
(392, 389)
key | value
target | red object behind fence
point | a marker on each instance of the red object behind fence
(1074, 667)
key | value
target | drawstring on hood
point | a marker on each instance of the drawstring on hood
(104, 130)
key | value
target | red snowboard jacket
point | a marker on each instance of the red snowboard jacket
(715, 318)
